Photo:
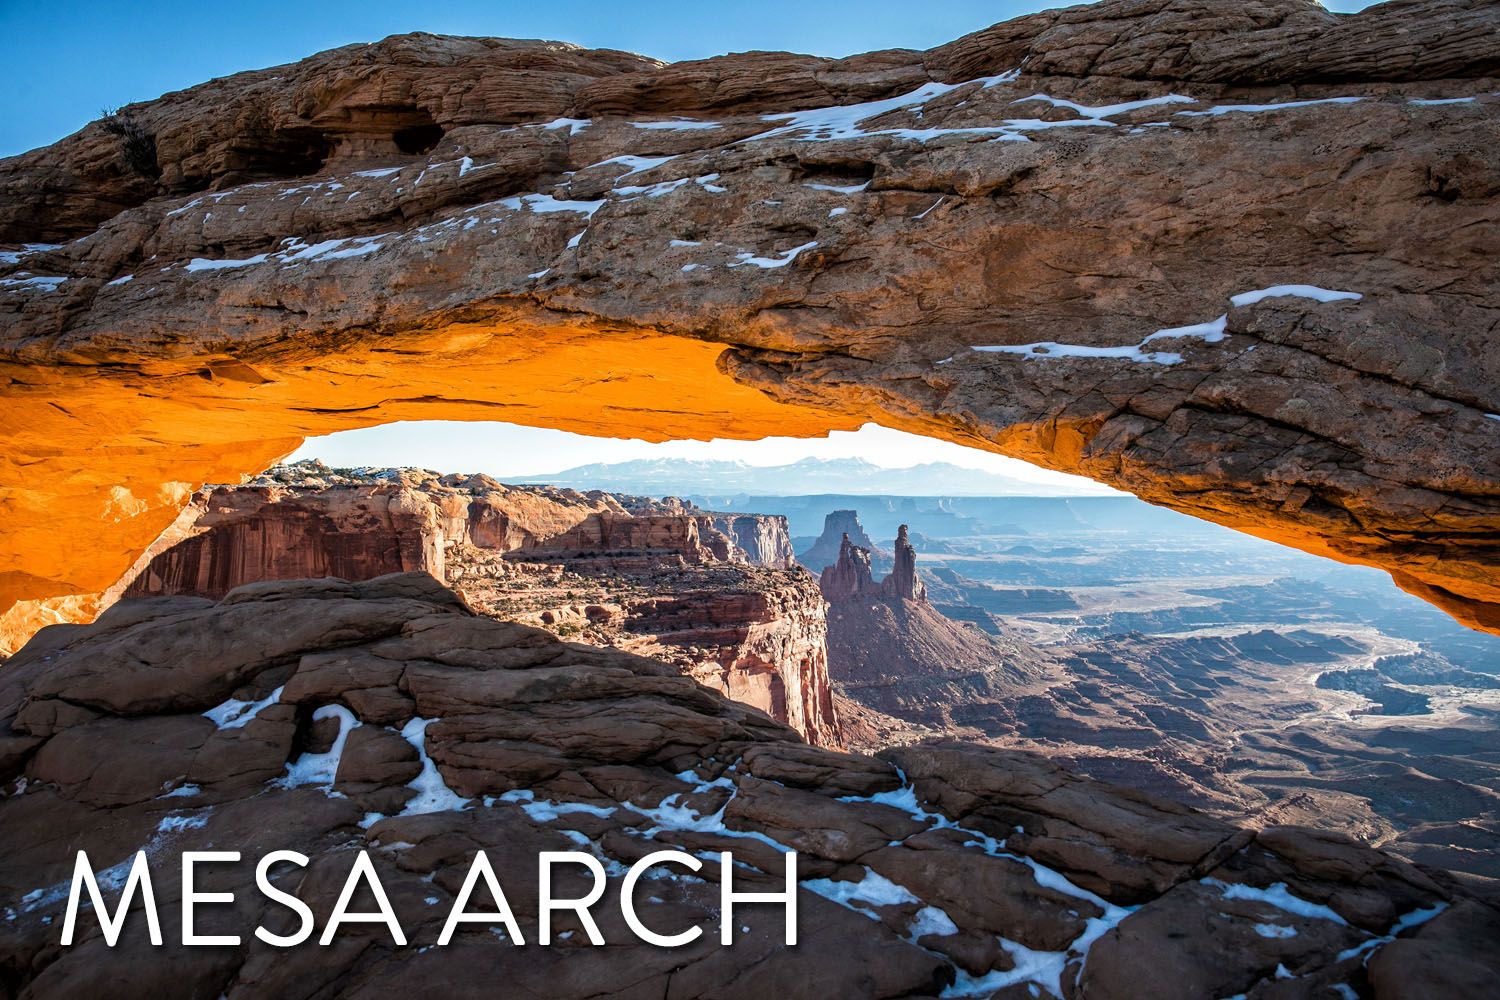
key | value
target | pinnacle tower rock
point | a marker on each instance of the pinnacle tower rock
(850, 577)
(903, 581)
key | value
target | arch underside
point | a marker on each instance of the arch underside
(1281, 321)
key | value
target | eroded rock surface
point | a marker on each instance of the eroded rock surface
(659, 578)
(1238, 259)
(389, 718)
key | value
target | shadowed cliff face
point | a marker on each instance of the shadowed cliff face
(1080, 238)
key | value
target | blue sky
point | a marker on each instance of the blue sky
(68, 59)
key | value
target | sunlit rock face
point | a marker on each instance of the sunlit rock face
(1238, 259)
(652, 577)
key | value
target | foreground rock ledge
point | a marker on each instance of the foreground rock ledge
(1080, 238)
(174, 724)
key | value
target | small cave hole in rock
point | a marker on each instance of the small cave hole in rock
(416, 139)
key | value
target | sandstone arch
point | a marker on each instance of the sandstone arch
(601, 243)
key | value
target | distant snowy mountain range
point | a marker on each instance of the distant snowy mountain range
(662, 477)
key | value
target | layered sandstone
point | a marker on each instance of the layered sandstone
(1081, 238)
(329, 717)
(850, 578)
(308, 521)
(655, 577)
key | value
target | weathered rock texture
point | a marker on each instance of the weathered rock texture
(442, 734)
(768, 243)
(657, 578)
(851, 577)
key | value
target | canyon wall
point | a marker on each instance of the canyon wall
(653, 577)
(766, 541)
(765, 645)
(1237, 259)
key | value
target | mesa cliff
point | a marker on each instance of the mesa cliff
(1237, 259)
(654, 577)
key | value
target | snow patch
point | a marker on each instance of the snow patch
(839, 188)
(931, 921)
(1299, 291)
(1275, 931)
(466, 166)
(298, 252)
(785, 258)
(1225, 109)
(433, 794)
(1108, 110)
(573, 125)
(200, 264)
(181, 792)
(1279, 896)
(177, 822)
(1052, 349)
(1044, 968)
(545, 811)
(873, 890)
(544, 203)
(320, 768)
(33, 282)
(235, 714)
(637, 164)
(676, 125)
(1212, 332)
(843, 121)
(14, 256)
(1415, 918)
(650, 190)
